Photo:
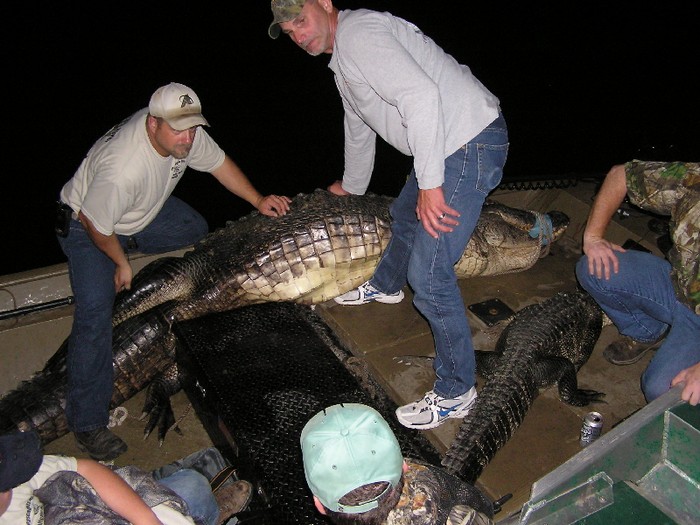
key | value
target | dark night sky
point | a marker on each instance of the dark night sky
(583, 85)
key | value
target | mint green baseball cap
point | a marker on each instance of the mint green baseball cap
(345, 447)
(283, 11)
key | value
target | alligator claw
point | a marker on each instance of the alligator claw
(584, 397)
(161, 416)
(157, 407)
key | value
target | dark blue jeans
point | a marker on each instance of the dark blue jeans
(91, 273)
(642, 303)
(427, 264)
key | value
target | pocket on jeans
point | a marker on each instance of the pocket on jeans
(492, 158)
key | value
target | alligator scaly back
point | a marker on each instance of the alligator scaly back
(325, 246)
(544, 344)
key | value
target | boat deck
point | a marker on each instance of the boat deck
(396, 344)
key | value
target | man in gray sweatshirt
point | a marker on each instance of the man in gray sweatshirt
(396, 82)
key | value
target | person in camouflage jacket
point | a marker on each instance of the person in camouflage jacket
(652, 301)
(358, 475)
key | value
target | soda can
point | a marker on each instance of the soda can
(591, 429)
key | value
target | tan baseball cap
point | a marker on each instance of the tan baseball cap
(178, 105)
(283, 11)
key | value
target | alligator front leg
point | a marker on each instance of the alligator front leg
(557, 369)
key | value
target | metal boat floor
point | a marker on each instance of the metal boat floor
(262, 372)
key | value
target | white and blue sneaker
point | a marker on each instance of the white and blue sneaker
(366, 293)
(433, 410)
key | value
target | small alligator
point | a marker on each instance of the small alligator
(325, 246)
(543, 345)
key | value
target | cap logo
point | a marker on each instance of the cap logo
(185, 100)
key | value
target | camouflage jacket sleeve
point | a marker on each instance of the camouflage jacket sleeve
(431, 496)
(673, 188)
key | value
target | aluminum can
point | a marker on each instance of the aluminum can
(591, 429)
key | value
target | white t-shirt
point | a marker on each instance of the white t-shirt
(123, 182)
(26, 509)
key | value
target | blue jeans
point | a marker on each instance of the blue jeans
(91, 273)
(194, 488)
(642, 303)
(427, 264)
(189, 479)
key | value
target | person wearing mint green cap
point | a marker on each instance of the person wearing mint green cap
(357, 474)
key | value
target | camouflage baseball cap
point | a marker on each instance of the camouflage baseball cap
(283, 11)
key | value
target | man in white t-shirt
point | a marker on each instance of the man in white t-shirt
(357, 474)
(119, 200)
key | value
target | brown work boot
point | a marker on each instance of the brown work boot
(232, 499)
(626, 350)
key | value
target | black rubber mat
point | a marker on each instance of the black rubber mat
(265, 370)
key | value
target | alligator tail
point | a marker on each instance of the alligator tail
(144, 347)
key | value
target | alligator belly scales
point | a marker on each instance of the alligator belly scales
(544, 344)
(324, 247)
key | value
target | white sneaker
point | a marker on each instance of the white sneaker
(366, 293)
(433, 410)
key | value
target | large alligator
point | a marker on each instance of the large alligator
(322, 248)
(543, 345)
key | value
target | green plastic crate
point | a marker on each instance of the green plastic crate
(645, 470)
